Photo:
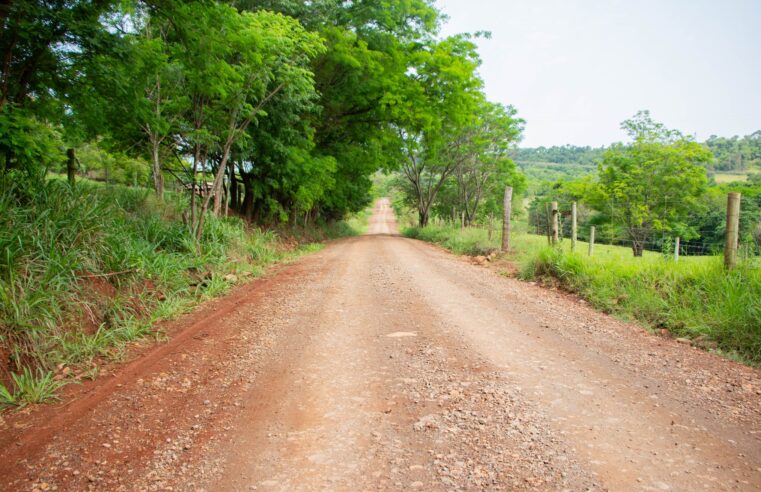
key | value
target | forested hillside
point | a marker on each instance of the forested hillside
(565, 154)
(736, 153)
(661, 186)
(738, 156)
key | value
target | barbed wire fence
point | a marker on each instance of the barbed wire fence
(702, 242)
(561, 225)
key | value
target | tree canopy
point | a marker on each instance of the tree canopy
(277, 110)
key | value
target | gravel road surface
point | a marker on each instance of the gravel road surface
(383, 363)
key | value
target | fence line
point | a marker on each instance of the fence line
(557, 230)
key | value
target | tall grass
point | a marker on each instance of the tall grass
(689, 298)
(84, 270)
(692, 298)
(471, 241)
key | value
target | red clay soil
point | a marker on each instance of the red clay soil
(385, 363)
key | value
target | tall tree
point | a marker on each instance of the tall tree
(266, 54)
(652, 184)
(435, 117)
(486, 167)
(40, 41)
(370, 46)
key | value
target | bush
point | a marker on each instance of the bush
(28, 147)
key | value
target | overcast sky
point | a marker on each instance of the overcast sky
(576, 69)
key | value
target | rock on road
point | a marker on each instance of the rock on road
(383, 363)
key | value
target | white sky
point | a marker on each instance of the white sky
(575, 69)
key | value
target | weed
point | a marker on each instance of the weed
(30, 388)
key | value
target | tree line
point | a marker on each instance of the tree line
(277, 110)
(736, 153)
(560, 154)
(729, 154)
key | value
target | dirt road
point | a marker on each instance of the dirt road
(385, 363)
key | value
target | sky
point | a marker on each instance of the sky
(575, 69)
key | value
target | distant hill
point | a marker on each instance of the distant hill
(736, 158)
(736, 153)
(558, 162)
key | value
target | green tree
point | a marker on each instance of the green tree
(28, 147)
(371, 44)
(38, 40)
(41, 42)
(653, 184)
(269, 53)
(135, 94)
(435, 118)
(487, 168)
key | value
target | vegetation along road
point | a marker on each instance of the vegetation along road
(385, 363)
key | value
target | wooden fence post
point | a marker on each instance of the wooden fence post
(462, 220)
(733, 223)
(555, 231)
(507, 208)
(573, 227)
(591, 240)
(71, 166)
(676, 250)
(548, 216)
(491, 226)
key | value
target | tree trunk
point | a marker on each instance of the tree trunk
(158, 178)
(637, 248)
(233, 189)
(71, 166)
(423, 218)
(225, 199)
(216, 190)
(248, 198)
(194, 180)
(219, 179)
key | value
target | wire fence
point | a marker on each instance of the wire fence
(708, 241)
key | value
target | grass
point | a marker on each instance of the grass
(30, 388)
(469, 241)
(735, 176)
(86, 270)
(694, 298)
(358, 223)
(730, 177)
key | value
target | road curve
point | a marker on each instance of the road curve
(385, 363)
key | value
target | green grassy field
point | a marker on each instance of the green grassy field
(730, 177)
(722, 177)
(691, 298)
(538, 172)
